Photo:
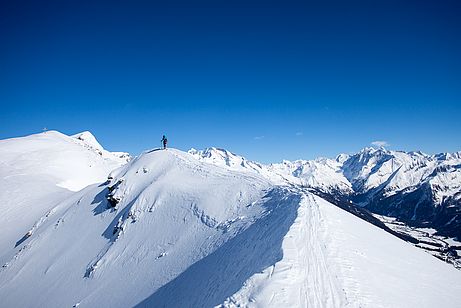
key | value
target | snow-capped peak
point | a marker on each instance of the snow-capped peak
(341, 158)
(89, 139)
(220, 157)
(213, 152)
(448, 156)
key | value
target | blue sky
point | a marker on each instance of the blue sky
(266, 80)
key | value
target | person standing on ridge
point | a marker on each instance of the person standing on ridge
(164, 142)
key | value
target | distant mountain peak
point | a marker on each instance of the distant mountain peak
(89, 139)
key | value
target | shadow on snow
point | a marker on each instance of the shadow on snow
(101, 200)
(211, 280)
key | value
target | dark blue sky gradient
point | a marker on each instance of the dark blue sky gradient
(267, 80)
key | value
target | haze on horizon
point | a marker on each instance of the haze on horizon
(269, 81)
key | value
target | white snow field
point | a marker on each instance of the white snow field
(39, 171)
(189, 233)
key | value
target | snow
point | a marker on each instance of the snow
(383, 271)
(396, 171)
(179, 213)
(39, 171)
(87, 140)
(71, 163)
(334, 259)
(391, 171)
(302, 278)
(199, 229)
(322, 173)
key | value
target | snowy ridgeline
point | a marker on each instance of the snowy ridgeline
(368, 170)
(176, 229)
(418, 189)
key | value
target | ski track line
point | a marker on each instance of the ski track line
(304, 277)
(327, 290)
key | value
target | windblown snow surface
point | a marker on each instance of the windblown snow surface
(37, 172)
(189, 233)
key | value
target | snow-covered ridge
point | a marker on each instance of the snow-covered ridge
(87, 139)
(370, 168)
(199, 229)
(412, 186)
(69, 162)
(170, 230)
(222, 157)
(321, 172)
(39, 171)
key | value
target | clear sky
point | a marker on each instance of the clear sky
(266, 80)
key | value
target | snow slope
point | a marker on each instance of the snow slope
(39, 171)
(334, 259)
(69, 162)
(172, 213)
(187, 233)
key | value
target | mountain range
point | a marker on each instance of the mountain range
(85, 227)
(418, 189)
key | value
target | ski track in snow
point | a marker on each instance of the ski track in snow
(303, 277)
(321, 284)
